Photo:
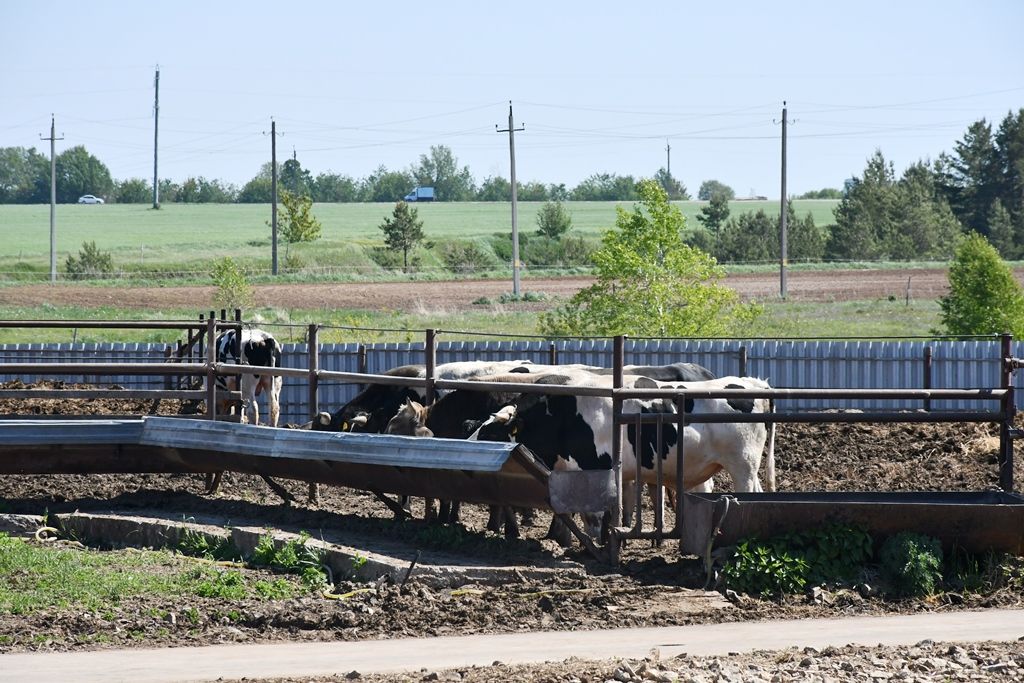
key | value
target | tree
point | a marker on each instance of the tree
(440, 170)
(495, 189)
(294, 178)
(24, 176)
(970, 176)
(649, 283)
(333, 187)
(533, 191)
(403, 231)
(864, 215)
(133, 191)
(257, 190)
(710, 188)
(604, 187)
(1001, 232)
(984, 297)
(91, 263)
(923, 224)
(386, 186)
(78, 173)
(297, 224)
(824, 193)
(676, 190)
(232, 287)
(715, 213)
(753, 237)
(553, 220)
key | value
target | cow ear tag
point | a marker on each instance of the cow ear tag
(344, 426)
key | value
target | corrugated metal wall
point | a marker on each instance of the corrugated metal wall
(787, 364)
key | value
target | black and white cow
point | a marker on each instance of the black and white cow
(257, 348)
(574, 432)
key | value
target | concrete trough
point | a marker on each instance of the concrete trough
(973, 521)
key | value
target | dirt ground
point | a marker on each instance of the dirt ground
(459, 295)
(646, 591)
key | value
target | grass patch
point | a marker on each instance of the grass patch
(36, 577)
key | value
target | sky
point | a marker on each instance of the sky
(599, 87)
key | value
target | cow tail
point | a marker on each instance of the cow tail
(769, 467)
(275, 351)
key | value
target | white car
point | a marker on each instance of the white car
(90, 199)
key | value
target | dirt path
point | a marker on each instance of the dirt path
(835, 285)
(318, 659)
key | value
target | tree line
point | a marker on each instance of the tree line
(919, 215)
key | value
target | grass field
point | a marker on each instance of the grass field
(190, 236)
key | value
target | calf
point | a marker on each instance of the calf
(257, 348)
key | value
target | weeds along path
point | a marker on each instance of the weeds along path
(459, 295)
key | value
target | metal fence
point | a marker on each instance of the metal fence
(785, 364)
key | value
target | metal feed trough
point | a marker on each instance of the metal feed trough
(476, 472)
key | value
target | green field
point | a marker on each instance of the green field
(190, 236)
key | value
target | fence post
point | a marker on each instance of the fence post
(1009, 410)
(430, 351)
(928, 376)
(313, 347)
(618, 356)
(211, 360)
(552, 353)
(743, 360)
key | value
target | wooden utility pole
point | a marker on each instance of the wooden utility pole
(53, 197)
(156, 127)
(511, 130)
(783, 239)
(668, 159)
(273, 196)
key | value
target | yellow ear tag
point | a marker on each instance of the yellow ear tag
(344, 426)
(515, 430)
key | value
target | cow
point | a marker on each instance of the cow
(371, 409)
(673, 372)
(574, 432)
(257, 348)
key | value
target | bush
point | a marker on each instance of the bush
(465, 257)
(912, 562)
(553, 220)
(233, 290)
(790, 562)
(91, 262)
(984, 297)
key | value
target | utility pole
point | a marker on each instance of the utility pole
(783, 256)
(53, 197)
(156, 127)
(273, 196)
(511, 130)
(668, 159)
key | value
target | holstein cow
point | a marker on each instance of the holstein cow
(574, 432)
(371, 409)
(257, 348)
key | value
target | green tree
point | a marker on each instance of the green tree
(649, 283)
(533, 191)
(334, 187)
(440, 170)
(714, 214)
(605, 187)
(78, 173)
(257, 190)
(984, 297)
(553, 220)
(386, 186)
(753, 237)
(676, 190)
(494, 189)
(91, 263)
(1010, 150)
(710, 188)
(970, 176)
(294, 178)
(923, 226)
(297, 224)
(24, 176)
(133, 191)
(403, 231)
(1001, 232)
(232, 287)
(824, 193)
(864, 216)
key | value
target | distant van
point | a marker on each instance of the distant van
(420, 194)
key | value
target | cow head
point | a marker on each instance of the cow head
(410, 420)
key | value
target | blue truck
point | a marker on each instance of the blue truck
(420, 194)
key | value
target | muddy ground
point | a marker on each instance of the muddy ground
(646, 590)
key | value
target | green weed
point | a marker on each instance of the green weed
(912, 562)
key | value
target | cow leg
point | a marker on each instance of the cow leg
(429, 511)
(511, 523)
(404, 501)
(444, 511)
(453, 516)
(250, 411)
(559, 532)
(274, 397)
(494, 517)
(529, 516)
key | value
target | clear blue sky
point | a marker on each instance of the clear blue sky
(600, 86)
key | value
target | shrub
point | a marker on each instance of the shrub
(91, 262)
(912, 562)
(984, 297)
(233, 290)
(465, 257)
(553, 220)
(294, 556)
(790, 562)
